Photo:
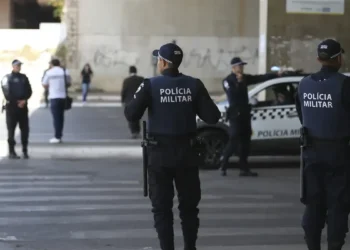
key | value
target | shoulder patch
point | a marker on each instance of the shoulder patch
(140, 87)
(226, 85)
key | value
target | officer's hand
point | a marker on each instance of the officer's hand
(239, 77)
(21, 103)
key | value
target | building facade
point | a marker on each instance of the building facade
(112, 35)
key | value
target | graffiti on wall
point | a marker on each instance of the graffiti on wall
(110, 57)
(218, 59)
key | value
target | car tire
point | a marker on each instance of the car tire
(214, 141)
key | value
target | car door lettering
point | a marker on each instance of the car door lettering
(277, 133)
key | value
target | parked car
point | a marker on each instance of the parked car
(275, 126)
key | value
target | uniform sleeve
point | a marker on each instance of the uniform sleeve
(207, 110)
(29, 90)
(254, 79)
(298, 106)
(123, 92)
(135, 109)
(5, 87)
(346, 94)
(227, 85)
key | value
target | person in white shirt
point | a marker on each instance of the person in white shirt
(57, 80)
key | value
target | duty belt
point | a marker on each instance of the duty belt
(329, 141)
(161, 141)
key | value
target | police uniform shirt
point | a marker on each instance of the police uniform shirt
(323, 103)
(173, 100)
(16, 87)
(237, 92)
(55, 79)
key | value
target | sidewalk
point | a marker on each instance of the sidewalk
(90, 132)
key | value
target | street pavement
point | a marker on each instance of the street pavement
(74, 196)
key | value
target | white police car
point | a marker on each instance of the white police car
(275, 126)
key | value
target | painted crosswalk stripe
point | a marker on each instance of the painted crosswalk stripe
(27, 198)
(43, 177)
(147, 217)
(53, 183)
(203, 232)
(83, 206)
(15, 190)
(139, 206)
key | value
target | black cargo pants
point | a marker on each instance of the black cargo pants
(14, 116)
(327, 181)
(161, 192)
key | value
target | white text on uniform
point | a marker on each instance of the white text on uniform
(317, 100)
(175, 95)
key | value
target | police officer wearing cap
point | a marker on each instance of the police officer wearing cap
(173, 101)
(323, 106)
(17, 90)
(238, 114)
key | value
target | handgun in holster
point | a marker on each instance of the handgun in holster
(3, 106)
(231, 113)
(198, 146)
(304, 142)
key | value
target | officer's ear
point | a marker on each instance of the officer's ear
(340, 59)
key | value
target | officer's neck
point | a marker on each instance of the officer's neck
(170, 72)
(329, 68)
(15, 72)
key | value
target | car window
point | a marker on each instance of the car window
(220, 98)
(276, 95)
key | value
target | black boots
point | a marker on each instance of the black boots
(12, 153)
(247, 173)
(244, 170)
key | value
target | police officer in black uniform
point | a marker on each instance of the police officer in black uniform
(173, 101)
(17, 91)
(323, 106)
(238, 114)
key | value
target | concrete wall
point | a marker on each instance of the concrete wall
(114, 34)
(293, 38)
(5, 14)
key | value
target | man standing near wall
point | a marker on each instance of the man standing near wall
(57, 80)
(130, 85)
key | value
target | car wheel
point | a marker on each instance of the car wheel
(214, 142)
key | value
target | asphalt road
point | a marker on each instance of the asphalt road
(94, 201)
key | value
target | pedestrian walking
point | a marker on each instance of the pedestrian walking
(86, 76)
(57, 80)
(130, 85)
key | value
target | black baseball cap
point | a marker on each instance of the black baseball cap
(237, 61)
(169, 52)
(16, 62)
(329, 49)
